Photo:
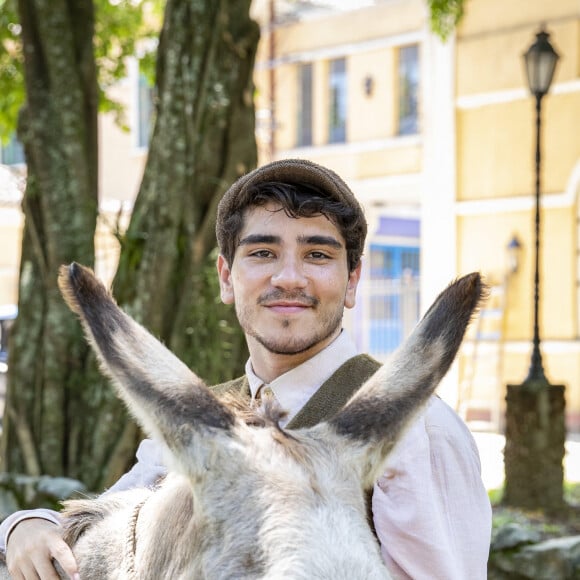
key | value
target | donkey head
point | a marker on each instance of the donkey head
(269, 502)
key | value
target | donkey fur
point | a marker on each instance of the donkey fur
(245, 498)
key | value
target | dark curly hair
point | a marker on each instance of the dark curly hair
(302, 189)
(298, 200)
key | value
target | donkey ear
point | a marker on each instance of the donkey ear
(387, 403)
(169, 401)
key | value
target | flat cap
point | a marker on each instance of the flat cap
(291, 171)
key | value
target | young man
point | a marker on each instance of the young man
(291, 235)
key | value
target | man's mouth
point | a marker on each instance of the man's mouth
(287, 304)
(287, 307)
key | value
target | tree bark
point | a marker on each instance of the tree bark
(58, 126)
(62, 417)
(203, 140)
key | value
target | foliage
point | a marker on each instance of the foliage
(11, 79)
(445, 15)
(216, 324)
(571, 494)
(555, 525)
(123, 28)
(547, 526)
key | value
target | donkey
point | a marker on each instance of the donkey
(245, 498)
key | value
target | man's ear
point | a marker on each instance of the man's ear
(353, 280)
(225, 279)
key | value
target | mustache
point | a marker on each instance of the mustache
(284, 296)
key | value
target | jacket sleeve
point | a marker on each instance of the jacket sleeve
(430, 508)
(150, 467)
(12, 520)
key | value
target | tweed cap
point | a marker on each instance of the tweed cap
(291, 171)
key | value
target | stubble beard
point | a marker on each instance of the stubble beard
(291, 345)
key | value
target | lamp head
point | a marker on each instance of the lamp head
(540, 60)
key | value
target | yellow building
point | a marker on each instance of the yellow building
(442, 135)
(341, 83)
(495, 182)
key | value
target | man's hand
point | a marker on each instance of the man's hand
(32, 545)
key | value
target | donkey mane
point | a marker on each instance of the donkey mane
(244, 497)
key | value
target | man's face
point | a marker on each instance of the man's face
(289, 282)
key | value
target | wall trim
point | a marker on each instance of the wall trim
(396, 142)
(488, 99)
(567, 198)
(340, 50)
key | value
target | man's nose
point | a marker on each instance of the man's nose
(289, 273)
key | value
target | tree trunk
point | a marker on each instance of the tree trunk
(62, 417)
(44, 426)
(203, 140)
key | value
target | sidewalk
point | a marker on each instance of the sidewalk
(491, 453)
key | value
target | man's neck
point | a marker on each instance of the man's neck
(269, 366)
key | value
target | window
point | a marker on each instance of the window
(337, 120)
(408, 83)
(144, 111)
(305, 106)
(12, 153)
(393, 296)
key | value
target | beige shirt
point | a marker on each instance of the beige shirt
(294, 388)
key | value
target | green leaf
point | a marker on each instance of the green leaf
(445, 15)
(123, 28)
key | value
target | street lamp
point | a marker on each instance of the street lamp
(535, 433)
(540, 60)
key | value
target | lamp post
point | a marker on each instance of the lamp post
(540, 60)
(535, 432)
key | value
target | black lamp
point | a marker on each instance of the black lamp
(535, 431)
(540, 60)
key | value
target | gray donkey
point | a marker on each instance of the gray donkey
(245, 498)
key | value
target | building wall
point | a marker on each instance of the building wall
(384, 168)
(495, 132)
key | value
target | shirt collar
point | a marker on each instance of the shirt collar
(293, 389)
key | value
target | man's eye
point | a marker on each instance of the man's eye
(261, 254)
(318, 255)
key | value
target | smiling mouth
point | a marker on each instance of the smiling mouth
(287, 303)
(287, 308)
